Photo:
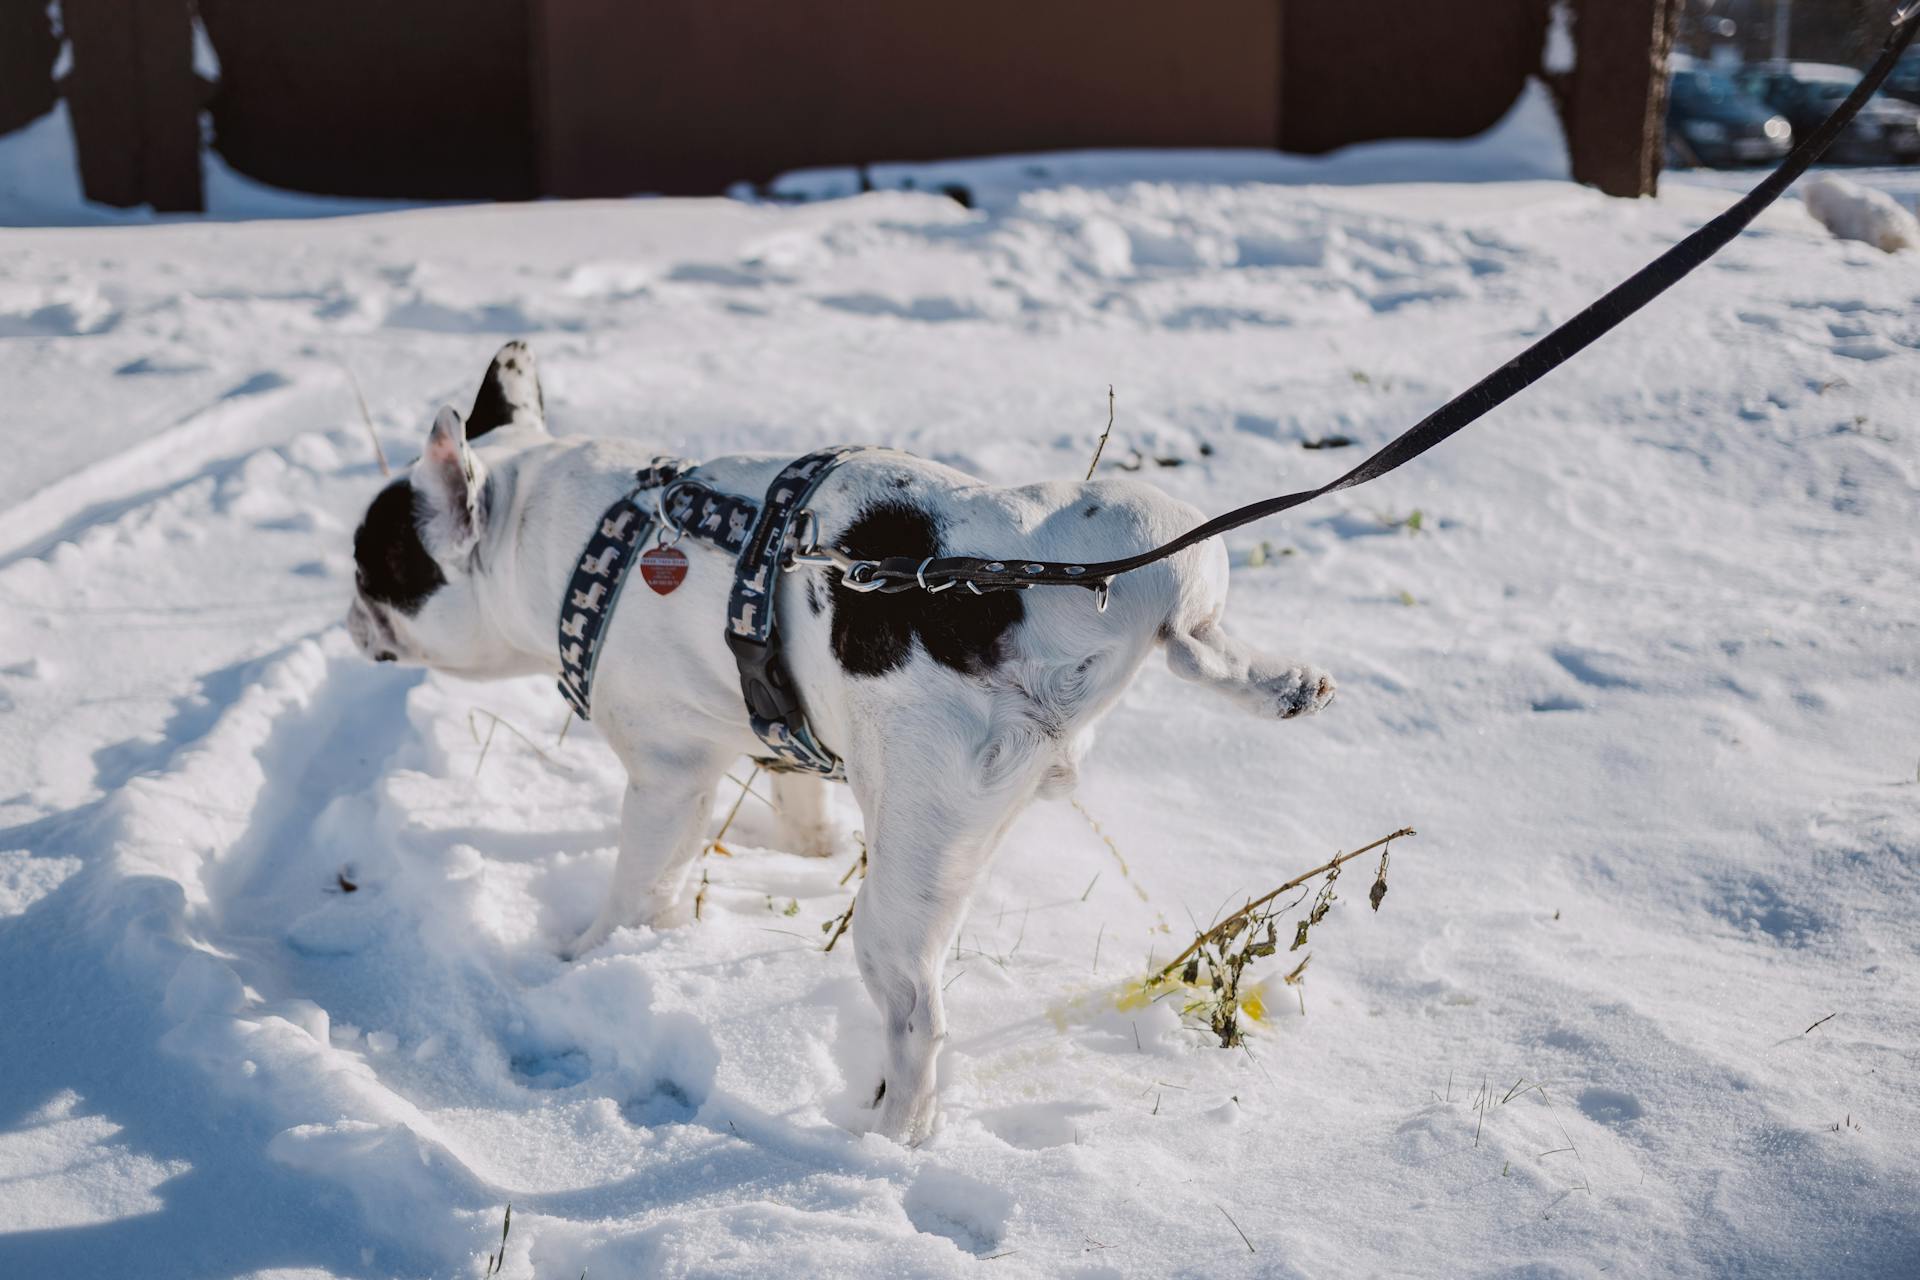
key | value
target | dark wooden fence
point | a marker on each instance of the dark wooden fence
(513, 99)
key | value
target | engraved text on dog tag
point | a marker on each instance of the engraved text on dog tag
(663, 568)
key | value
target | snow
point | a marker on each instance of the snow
(1854, 212)
(1643, 678)
(1561, 54)
(40, 186)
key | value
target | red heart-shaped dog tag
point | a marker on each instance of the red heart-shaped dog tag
(663, 568)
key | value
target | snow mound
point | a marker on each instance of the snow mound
(1854, 212)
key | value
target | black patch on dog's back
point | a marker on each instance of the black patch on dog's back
(392, 566)
(874, 632)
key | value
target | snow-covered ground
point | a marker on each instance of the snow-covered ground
(1643, 675)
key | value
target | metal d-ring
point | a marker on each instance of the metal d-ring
(660, 515)
(805, 550)
(1100, 594)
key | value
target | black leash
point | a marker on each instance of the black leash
(902, 573)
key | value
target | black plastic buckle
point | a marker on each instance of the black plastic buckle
(763, 681)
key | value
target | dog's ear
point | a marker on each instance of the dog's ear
(509, 394)
(450, 478)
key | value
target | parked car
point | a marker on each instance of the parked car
(1887, 131)
(1903, 81)
(1711, 122)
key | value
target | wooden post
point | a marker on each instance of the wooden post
(1615, 103)
(27, 50)
(135, 102)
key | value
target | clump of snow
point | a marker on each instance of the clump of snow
(1855, 212)
(1560, 56)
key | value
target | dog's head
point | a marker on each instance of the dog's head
(419, 553)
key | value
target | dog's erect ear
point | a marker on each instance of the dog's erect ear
(510, 394)
(450, 478)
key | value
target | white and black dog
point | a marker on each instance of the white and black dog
(951, 711)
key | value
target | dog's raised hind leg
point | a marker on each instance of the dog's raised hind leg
(1205, 653)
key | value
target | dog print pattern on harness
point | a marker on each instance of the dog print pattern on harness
(588, 603)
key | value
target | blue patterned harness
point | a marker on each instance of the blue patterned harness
(762, 538)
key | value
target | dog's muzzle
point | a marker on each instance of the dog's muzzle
(368, 635)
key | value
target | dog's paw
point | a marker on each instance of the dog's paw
(906, 1120)
(589, 940)
(673, 915)
(819, 840)
(1300, 691)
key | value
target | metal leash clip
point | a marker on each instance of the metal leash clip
(807, 553)
(858, 576)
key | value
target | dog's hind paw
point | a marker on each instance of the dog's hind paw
(585, 942)
(1299, 691)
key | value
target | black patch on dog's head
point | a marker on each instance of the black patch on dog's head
(874, 632)
(1093, 509)
(392, 566)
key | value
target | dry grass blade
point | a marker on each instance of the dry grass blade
(501, 722)
(359, 398)
(495, 1261)
(747, 784)
(745, 788)
(839, 927)
(713, 845)
(1126, 872)
(1236, 1226)
(1102, 446)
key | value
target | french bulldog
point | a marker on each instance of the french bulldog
(950, 711)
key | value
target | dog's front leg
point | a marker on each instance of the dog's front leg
(661, 820)
(801, 801)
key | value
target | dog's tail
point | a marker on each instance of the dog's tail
(1200, 649)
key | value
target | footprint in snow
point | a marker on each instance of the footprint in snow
(965, 1210)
